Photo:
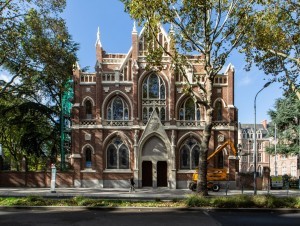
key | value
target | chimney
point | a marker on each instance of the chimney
(264, 124)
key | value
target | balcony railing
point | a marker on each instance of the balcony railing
(116, 123)
(189, 123)
(87, 122)
(223, 123)
(87, 78)
(146, 121)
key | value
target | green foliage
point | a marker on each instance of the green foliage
(197, 201)
(243, 201)
(238, 201)
(37, 53)
(286, 116)
(273, 41)
(297, 202)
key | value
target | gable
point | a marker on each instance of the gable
(143, 47)
(154, 127)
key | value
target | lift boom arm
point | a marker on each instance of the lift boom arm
(228, 142)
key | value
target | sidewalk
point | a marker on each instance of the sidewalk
(122, 193)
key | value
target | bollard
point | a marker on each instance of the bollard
(53, 177)
(226, 188)
(242, 189)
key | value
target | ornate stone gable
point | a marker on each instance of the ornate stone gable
(154, 127)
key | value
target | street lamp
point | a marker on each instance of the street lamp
(255, 145)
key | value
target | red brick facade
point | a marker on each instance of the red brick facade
(146, 138)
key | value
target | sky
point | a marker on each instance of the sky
(83, 17)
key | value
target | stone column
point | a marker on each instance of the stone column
(136, 159)
(154, 174)
(172, 181)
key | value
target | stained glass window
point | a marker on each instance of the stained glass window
(117, 155)
(117, 109)
(153, 87)
(189, 111)
(154, 95)
(189, 154)
(219, 111)
(88, 158)
(112, 157)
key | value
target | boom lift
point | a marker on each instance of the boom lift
(213, 174)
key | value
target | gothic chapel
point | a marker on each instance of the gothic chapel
(128, 121)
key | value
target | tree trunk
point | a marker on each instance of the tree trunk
(202, 171)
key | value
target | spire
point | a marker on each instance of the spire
(98, 42)
(134, 28)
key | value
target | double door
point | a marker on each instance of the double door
(161, 174)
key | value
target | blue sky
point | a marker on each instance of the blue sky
(84, 16)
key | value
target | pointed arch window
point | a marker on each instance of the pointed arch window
(88, 109)
(88, 158)
(189, 111)
(189, 154)
(153, 97)
(153, 87)
(219, 111)
(117, 109)
(117, 155)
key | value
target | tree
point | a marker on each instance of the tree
(35, 47)
(211, 29)
(38, 54)
(286, 116)
(273, 41)
(26, 132)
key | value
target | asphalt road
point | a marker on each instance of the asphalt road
(144, 217)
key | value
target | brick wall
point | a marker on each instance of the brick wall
(35, 179)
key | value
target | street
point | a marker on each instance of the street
(144, 216)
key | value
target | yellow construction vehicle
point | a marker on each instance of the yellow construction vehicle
(213, 174)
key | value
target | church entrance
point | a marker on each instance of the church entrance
(154, 164)
(162, 174)
(147, 174)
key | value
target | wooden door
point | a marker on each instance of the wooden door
(162, 176)
(147, 174)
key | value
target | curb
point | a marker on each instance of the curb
(152, 209)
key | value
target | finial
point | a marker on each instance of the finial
(98, 42)
(98, 33)
(134, 28)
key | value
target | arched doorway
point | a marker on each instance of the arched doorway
(147, 174)
(154, 165)
(162, 172)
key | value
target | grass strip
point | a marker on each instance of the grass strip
(237, 201)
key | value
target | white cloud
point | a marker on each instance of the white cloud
(4, 77)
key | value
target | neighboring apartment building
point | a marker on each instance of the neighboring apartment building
(129, 120)
(246, 144)
(284, 165)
